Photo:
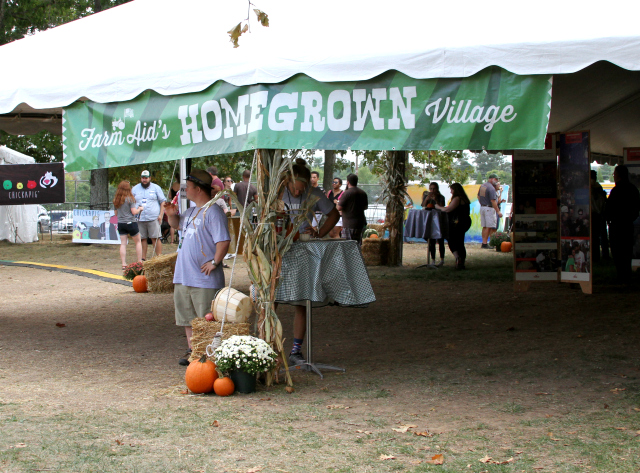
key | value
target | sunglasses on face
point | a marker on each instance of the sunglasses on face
(336, 182)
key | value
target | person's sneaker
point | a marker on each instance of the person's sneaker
(184, 361)
(486, 246)
(296, 359)
(440, 264)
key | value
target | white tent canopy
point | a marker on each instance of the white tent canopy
(18, 223)
(175, 47)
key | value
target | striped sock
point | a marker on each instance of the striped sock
(297, 345)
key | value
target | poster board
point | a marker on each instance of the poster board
(575, 203)
(95, 226)
(535, 216)
(634, 177)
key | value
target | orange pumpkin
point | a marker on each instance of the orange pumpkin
(224, 386)
(505, 246)
(140, 283)
(200, 375)
(373, 235)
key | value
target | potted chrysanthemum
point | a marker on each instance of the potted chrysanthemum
(243, 357)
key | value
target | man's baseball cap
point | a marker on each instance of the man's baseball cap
(493, 175)
(145, 173)
(199, 177)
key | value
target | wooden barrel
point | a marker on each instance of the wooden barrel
(239, 308)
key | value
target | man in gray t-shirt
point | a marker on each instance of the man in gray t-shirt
(151, 197)
(204, 241)
(489, 211)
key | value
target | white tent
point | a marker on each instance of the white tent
(175, 47)
(18, 223)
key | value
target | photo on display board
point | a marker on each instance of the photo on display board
(575, 255)
(574, 185)
(539, 261)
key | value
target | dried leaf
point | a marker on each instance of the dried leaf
(215, 423)
(255, 469)
(186, 391)
(617, 390)
(245, 28)
(436, 460)
(234, 34)
(60, 325)
(337, 406)
(637, 409)
(544, 394)
(404, 428)
(485, 459)
(426, 433)
(263, 18)
(118, 442)
(620, 428)
(18, 445)
(366, 432)
(386, 457)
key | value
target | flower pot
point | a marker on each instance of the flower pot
(498, 247)
(245, 383)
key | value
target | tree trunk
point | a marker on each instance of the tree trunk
(2, 34)
(397, 161)
(99, 190)
(329, 164)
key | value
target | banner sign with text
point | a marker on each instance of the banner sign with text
(493, 109)
(535, 218)
(32, 184)
(575, 206)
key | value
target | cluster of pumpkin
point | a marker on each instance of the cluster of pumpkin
(370, 233)
(201, 377)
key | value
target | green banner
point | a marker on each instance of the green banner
(494, 109)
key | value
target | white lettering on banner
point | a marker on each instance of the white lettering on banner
(258, 102)
(309, 111)
(359, 96)
(287, 119)
(238, 117)
(408, 118)
(190, 132)
(339, 124)
(23, 195)
(211, 107)
(490, 117)
(312, 103)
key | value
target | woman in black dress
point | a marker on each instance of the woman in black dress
(459, 222)
(430, 200)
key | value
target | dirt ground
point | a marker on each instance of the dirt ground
(543, 377)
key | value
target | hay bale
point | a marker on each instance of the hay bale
(159, 272)
(204, 331)
(375, 251)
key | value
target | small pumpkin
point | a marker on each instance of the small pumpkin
(140, 283)
(224, 386)
(201, 375)
(373, 235)
(505, 247)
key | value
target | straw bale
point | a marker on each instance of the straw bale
(159, 272)
(204, 331)
(375, 251)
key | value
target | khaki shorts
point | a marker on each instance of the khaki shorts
(488, 217)
(149, 229)
(191, 302)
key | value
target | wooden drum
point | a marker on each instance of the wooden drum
(239, 308)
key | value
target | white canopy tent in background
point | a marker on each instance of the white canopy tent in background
(18, 223)
(175, 47)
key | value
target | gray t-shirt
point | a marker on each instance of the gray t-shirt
(151, 198)
(212, 228)
(323, 205)
(486, 194)
(124, 211)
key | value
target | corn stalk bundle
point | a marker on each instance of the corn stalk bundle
(394, 191)
(264, 248)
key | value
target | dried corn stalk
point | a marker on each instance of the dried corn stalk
(264, 249)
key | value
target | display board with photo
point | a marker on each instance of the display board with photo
(535, 216)
(575, 196)
(95, 226)
(634, 177)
